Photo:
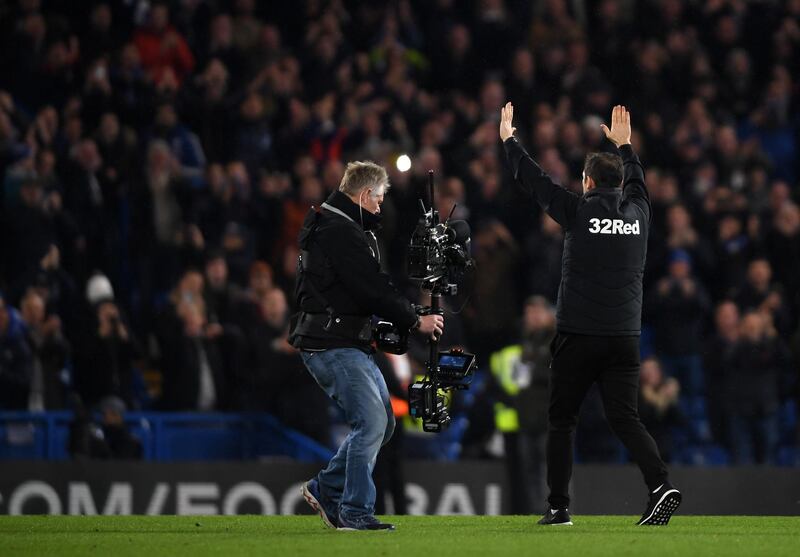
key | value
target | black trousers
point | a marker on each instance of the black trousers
(613, 362)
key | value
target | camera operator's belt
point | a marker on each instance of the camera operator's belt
(323, 325)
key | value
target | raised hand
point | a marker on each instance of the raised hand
(506, 116)
(620, 132)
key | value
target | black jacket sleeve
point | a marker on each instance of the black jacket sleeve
(633, 186)
(556, 201)
(360, 274)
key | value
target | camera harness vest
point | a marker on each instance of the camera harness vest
(355, 327)
(376, 253)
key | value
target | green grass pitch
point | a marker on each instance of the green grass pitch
(459, 536)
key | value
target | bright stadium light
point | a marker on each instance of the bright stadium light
(403, 163)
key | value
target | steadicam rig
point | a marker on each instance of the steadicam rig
(439, 257)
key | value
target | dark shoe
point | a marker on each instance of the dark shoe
(313, 497)
(368, 522)
(663, 502)
(556, 517)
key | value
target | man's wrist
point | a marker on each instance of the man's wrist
(418, 324)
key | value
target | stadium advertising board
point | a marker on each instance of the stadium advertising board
(220, 488)
(270, 488)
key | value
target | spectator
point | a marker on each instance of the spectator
(85, 436)
(759, 379)
(521, 372)
(270, 352)
(117, 147)
(760, 293)
(677, 309)
(456, 65)
(717, 362)
(50, 379)
(227, 314)
(132, 89)
(254, 141)
(98, 93)
(100, 37)
(121, 443)
(163, 50)
(104, 358)
(221, 46)
(85, 196)
(221, 296)
(246, 25)
(491, 315)
(54, 284)
(732, 250)
(221, 204)
(159, 205)
(108, 440)
(658, 405)
(272, 328)
(193, 371)
(184, 145)
(16, 362)
(783, 249)
(280, 386)
(260, 283)
(31, 229)
(543, 257)
(209, 105)
(681, 234)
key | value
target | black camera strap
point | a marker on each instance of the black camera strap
(302, 261)
(333, 209)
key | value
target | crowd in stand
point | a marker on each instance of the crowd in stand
(157, 160)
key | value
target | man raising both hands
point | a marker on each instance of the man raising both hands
(599, 311)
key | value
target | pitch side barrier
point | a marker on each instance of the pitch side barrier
(165, 436)
(273, 487)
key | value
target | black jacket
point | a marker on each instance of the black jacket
(759, 377)
(103, 367)
(605, 245)
(342, 262)
(182, 368)
(678, 318)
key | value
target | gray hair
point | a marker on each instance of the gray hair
(363, 174)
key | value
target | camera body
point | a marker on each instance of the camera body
(425, 402)
(389, 338)
(426, 398)
(439, 259)
(439, 252)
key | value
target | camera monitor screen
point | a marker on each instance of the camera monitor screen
(446, 360)
(454, 367)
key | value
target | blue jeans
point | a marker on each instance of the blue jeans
(350, 377)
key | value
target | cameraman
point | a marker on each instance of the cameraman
(340, 287)
(599, 308)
